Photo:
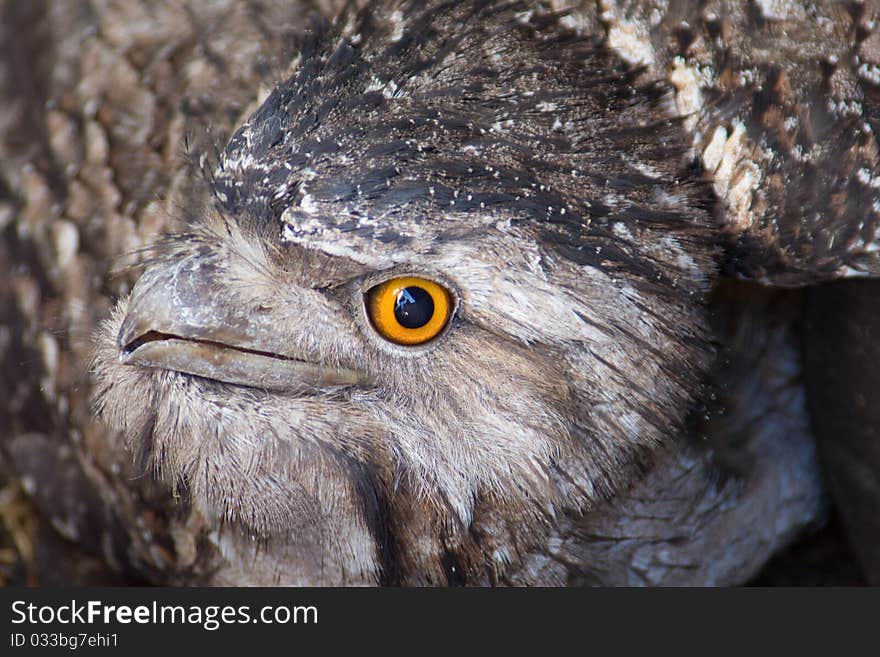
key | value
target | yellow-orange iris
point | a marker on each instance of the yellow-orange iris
(384, 299)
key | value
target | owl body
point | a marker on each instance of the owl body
(575, 180)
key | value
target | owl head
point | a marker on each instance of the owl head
(446, 283)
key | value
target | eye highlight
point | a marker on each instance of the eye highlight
(408, 310)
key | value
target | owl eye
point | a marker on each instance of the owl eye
(409, 310)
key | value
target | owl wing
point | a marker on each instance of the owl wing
(781, 102)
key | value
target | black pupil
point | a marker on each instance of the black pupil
(413, 307)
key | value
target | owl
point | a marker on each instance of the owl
(442, 293)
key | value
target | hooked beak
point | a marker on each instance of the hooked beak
(176, 320)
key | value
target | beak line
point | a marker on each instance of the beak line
(220, 362)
